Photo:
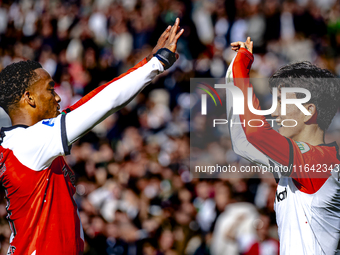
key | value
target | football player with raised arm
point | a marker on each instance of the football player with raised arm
(39, 185)
(307, 203)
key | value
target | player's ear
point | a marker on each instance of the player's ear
(311, 119)
(29, 99)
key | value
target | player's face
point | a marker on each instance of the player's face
(288, 127)
(46, 99)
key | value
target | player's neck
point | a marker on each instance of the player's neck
(22, 118)
(311, 134)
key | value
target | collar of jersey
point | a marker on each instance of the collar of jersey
(332, 144)
(13, 127)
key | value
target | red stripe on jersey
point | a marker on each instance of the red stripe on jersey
(94, 92)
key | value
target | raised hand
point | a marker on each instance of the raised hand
(171, 42)
(247, 45)
(160, 43)
(167, 54)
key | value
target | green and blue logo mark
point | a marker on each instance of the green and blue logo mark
(204, 97)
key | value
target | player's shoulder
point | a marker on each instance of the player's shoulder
(322, 151)
(304, 147)
(34, 146)
(20, 134)
(10, 135)
(47, 124)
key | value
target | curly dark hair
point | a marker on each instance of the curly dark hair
(14, 80)
(321, 83)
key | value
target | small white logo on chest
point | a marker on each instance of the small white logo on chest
(282, 195)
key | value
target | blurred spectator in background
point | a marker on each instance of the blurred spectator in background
(135, 192)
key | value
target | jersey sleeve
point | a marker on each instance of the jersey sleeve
(38, 145)
(94, 92)
(259, 144)
(110, 99)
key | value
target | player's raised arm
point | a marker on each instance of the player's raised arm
(118, 93)
(259, 144)
(160, 44)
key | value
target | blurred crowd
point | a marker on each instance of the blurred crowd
(134, 188)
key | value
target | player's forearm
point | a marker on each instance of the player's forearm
(241, 68)
(110, 99)
(251, 131)
(242, 64)
(94, 92)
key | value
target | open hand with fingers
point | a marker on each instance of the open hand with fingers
(247, 45)
(160, 43)
(168, 41)
(171, 43)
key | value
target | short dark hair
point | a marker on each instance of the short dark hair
(14, 80)
(321, 83)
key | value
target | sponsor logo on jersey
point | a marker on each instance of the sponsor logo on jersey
(49, 122)
(70, 173)
(2, 169)
(282, 195)
(11, 250)
(2, 165)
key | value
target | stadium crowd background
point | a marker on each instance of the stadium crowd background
(135, 192)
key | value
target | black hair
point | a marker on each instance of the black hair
(321, 83)
(14, 80)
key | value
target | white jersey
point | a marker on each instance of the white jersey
(307, 203)
(308, 223)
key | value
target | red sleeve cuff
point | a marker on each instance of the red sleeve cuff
(247, 53)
